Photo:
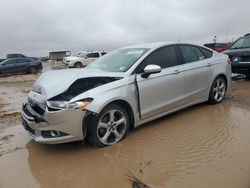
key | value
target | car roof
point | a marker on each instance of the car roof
(156, 45)
(19, 58)
(94, 51)
(150, 45)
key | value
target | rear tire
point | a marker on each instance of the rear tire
(109, 127)
(77, 65)
(217, 91)
(32, 70)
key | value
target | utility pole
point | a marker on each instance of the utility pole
(214, 40)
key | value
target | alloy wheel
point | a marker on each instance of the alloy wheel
(112, 127)
(219, 90)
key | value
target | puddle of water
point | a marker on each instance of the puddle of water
(203, 146)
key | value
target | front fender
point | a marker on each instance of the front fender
(126, 93)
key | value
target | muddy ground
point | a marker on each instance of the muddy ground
(203, 146)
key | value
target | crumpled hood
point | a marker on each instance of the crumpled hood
(55, 82)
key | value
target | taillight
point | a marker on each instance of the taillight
(229, 61)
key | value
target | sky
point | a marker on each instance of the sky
(35, 28)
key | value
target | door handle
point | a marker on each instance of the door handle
(209, 64)
(176, 72)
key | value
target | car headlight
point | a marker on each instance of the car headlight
(66, 105)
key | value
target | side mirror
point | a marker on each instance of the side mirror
(151, 69)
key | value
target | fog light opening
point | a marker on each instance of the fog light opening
(55, 133)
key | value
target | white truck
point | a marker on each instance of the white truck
(82, 59)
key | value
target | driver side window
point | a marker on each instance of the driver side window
(164, 57)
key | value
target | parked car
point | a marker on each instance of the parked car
(9, 56)
(20, 65)
(218, 47)
(44, 59)
(78, 55)
(122, 90)
(239, 54)
(82, 59)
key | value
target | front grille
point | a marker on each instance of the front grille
(245, 59)
(30, 130)
(37, 119)
(37, 109)
(240, 59)
(26, 111)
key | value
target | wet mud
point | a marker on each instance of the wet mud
(12, 96)
(202, 146)
(19, 78)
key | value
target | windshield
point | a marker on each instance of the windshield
(79, 54)
(242, 43)
(119, 60)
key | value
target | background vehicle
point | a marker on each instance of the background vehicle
(239, 54)
(74, 56)
(20, 65)
(82, 59)
(122, 90)
(9, 56)
(218, 47)
(45, 59)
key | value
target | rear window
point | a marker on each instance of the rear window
(206, 53)
(92, 55)
(191, 53)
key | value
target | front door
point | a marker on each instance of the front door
(23, 64)
(160, 92)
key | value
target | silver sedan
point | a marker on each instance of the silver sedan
(122, 90)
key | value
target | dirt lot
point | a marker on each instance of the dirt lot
(203, 146)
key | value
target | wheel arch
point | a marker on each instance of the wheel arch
(224, 77)
(210, 97)
(128, 108)
(120, 102)
(77, 62)
(32, 67)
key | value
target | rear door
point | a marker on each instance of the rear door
(197, 68)
(163, 91)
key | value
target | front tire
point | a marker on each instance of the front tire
(109, 127)
(32, 70)
(218, 90)
(77, 65)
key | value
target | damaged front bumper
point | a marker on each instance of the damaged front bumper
(53, 127)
